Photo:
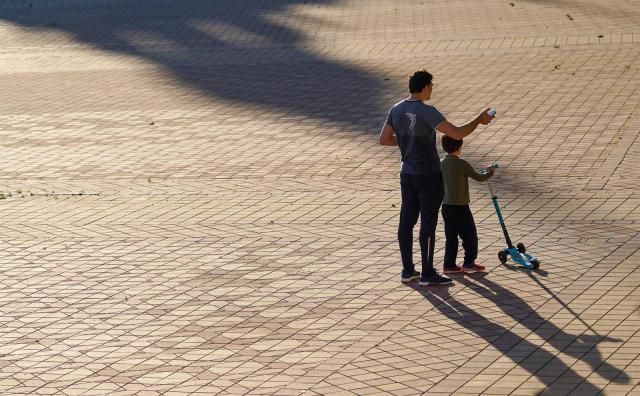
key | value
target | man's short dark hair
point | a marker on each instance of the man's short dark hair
(419, 80)
(450, 145)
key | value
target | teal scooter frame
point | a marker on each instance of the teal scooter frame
(518, 253)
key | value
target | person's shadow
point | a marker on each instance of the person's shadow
(542, 364)
(582, 346)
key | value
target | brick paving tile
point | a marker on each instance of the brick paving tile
(195, 202)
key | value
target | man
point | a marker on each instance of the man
(412, 124)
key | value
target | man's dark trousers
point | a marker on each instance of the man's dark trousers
(421, 195)
(458, 221)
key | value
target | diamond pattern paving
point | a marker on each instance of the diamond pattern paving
(194, 199)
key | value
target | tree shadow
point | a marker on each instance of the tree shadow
(542, 364)
(246, 52)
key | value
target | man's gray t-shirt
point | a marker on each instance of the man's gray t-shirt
(414, 124)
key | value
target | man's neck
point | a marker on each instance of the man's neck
(415, 96)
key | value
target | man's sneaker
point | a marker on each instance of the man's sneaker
(434, 279)
(453, 270)
(409, 276)
(473, 268)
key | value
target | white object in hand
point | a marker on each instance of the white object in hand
(492, 112)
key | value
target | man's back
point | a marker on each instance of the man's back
(414, 123)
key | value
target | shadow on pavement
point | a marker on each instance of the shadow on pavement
(542, 364)
(582, 347)
(197, 41)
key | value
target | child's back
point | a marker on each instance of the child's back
(458, 219)
(455, 174)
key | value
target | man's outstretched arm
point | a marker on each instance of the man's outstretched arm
(459, 132)
(387, 136)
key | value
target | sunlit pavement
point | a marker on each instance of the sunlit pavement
(195, 200)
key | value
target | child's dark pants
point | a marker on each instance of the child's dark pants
(421, 195)
(458, 221)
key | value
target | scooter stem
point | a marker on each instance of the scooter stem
(490, 189)
(494, 198)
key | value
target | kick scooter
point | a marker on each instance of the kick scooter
(517, 253)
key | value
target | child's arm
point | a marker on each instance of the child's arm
(477, 176)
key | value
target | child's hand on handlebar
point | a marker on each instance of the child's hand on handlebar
(491, 169)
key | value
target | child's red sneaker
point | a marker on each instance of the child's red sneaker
(473, 268)
(453, 270)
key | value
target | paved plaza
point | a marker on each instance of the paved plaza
(194, 199)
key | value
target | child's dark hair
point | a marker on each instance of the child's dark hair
(450, 145)
(419, 80)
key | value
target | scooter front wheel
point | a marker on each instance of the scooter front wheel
(502, 256)
(521, 248)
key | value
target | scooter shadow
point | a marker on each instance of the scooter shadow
(519, 268)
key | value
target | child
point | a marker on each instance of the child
(458, 220)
